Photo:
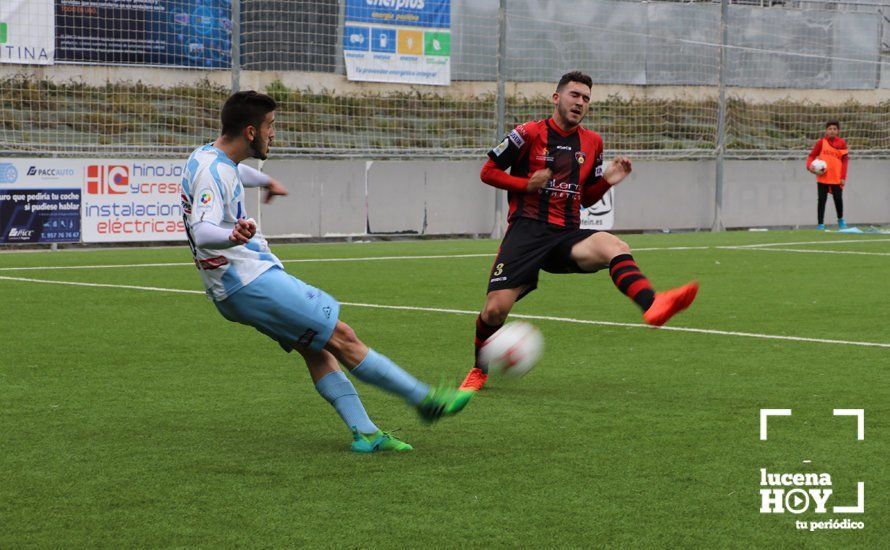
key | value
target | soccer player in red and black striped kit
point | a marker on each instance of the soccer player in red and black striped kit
(556, 167)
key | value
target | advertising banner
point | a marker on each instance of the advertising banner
(39, 201)
(39, 215)
(90, 200)
(189, 33)
(131, 200)
(405, 41)
(27, 32)
(601, 215)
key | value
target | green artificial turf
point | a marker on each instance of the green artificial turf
(132, 417)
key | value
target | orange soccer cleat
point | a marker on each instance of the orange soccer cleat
(669, 303)
(474, 380)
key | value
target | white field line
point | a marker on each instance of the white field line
(108, 266)
(815, 251)
(293, 261)
(390, 258)
(671, 248)
(516, 316)
(100, 285)
(307, 260)
(763, 245)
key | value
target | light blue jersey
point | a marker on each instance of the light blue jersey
(212, 192)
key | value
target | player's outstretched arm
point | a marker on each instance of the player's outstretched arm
(209, 235)
(594, 190)
(251, 177)
(492, 175)
(274, 189)
(618, 169)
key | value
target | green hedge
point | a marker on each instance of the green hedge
(40, 115)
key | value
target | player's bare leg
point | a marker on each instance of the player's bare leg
(596, 251)
(345, 346)
(498, 304)
(602, 250)
(319, 363)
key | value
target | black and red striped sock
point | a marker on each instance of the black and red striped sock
(630, 280)
(483, 333)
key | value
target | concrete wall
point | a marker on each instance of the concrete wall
(358, 197)
(428, 198)
(666, 195)
(767, 193)
(336, 198)
(327, 198)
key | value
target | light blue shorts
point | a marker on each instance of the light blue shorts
(285, 309)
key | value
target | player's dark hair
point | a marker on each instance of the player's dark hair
(833, 123)
(244, 109)
(574, 76)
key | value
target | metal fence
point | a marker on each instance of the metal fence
(743, 79)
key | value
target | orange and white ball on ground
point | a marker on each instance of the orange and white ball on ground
(513, 350)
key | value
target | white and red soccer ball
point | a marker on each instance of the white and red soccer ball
(513, 350)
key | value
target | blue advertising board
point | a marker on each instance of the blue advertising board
(39, 215)
(434, 14)
(189, 33)
(403, 41)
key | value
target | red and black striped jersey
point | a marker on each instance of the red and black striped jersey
(575, 158)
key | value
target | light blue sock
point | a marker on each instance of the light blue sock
(339, 392)
(380, 371)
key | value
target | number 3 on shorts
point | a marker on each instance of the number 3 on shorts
(498, 269)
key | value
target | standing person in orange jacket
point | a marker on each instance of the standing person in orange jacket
(832, 150)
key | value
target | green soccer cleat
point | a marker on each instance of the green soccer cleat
(443, 401)
(380, 441)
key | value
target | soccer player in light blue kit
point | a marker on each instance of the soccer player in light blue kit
(248, 284)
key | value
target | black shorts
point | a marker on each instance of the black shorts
(530, 246)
